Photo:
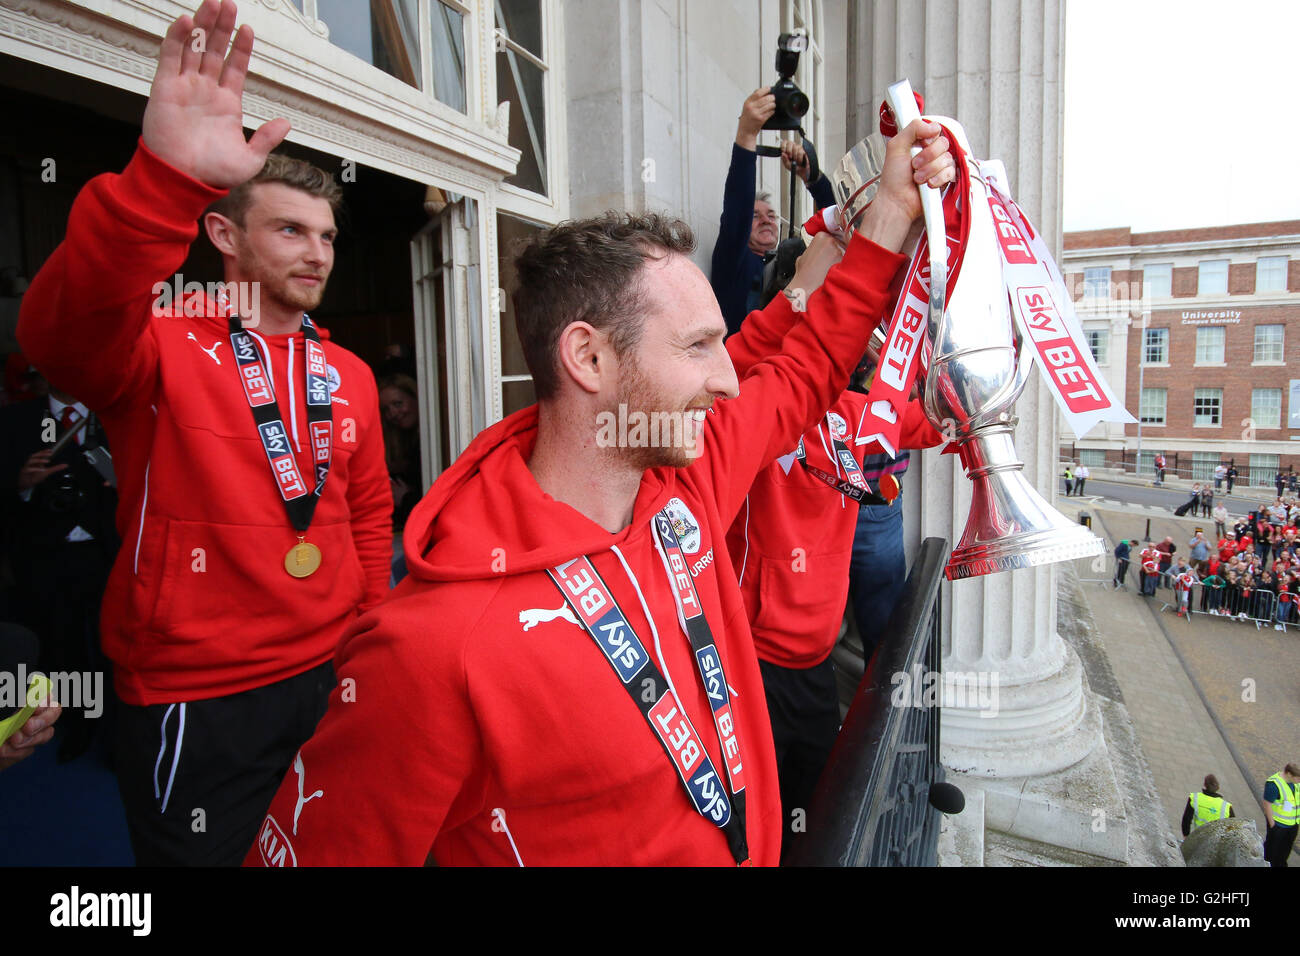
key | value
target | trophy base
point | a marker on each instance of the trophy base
(1023, 551)
(1010, 525)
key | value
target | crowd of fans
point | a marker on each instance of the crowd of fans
(1250, 572)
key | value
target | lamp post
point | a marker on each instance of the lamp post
(1142, 364)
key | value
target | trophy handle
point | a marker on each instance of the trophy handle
(903, 105)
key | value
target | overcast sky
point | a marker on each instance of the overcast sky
(1181, 114)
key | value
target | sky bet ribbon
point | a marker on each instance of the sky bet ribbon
(299, 502)
(854, 485)
(603, 619)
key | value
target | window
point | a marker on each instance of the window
(1270, 274)
(1203, 465)
(1209, 345)
(516, 383)
(1212, 278)
(1207, 406)
(1268, 343)
(1092, 457)
(1155, 347)
(1096, 283)
(521, 77)
(387, 35)
(1152, 407)
(1158, 280)
(1146, 464)
(1263, 468)
(1099, 342)
(1266, 407)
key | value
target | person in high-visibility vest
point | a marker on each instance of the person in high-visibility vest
(1282, 810)
(1205, 806)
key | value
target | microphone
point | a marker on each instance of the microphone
(947, 798)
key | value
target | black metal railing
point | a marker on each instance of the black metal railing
(872, 803)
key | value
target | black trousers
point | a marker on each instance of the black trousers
(1277, 844)
(805, 712)
(196, 778)
(1121, 571)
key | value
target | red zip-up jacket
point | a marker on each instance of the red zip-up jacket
(792, 542)
(198, 603)
(476, 722)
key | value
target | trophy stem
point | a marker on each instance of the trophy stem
(1010, 525)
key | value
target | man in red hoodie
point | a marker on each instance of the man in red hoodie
(567, 675)
(242, 564)
(791, 547)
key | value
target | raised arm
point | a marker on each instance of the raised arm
(83, 321)
(785, 394)
(764, 330)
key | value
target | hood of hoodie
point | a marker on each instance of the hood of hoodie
(486, 514)
(204, 314)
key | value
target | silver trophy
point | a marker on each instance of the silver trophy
(976, 369)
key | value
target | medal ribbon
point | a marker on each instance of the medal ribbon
(299, 503)
(853, 486)
(604, 621)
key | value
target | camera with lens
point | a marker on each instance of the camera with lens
(791, 102)
(62, 493)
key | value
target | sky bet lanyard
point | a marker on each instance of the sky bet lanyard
(302, 559)
(855, 485)
(602, 618)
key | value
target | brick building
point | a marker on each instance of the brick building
(1195, 328)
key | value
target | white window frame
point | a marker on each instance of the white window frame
(1206, 352)
(1101, 347)
(1093, 278)
(1260, 272)
(1164, 360)
(1201, 276)
(1167, 281)
(1255, 408)
(1204, 394)
(554, 206)
(1267, 467)
(1281, 345)
(1146, 406)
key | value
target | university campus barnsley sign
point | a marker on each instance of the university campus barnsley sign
(1221, 317)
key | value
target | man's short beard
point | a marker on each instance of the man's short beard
(281, 292)
(638, 395)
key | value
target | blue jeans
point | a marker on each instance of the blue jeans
(878, 570)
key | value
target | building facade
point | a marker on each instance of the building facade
(1195, 328)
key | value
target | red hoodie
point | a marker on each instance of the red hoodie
(198, 603)
(792, 542)
(476, 722)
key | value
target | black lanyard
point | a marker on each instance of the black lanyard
(592, 601)
(855, 485)
(299, 502)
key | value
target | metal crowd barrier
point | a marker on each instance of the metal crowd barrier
(1261, 607)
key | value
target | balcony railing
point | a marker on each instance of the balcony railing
(872, 803)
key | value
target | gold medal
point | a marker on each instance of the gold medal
(303, 559)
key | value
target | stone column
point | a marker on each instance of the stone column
(996, 66)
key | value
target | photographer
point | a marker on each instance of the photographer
(59, 535)
(749, 229)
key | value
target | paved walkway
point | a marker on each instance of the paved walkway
(1178, 732)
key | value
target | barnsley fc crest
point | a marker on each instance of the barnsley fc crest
(684, 523)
